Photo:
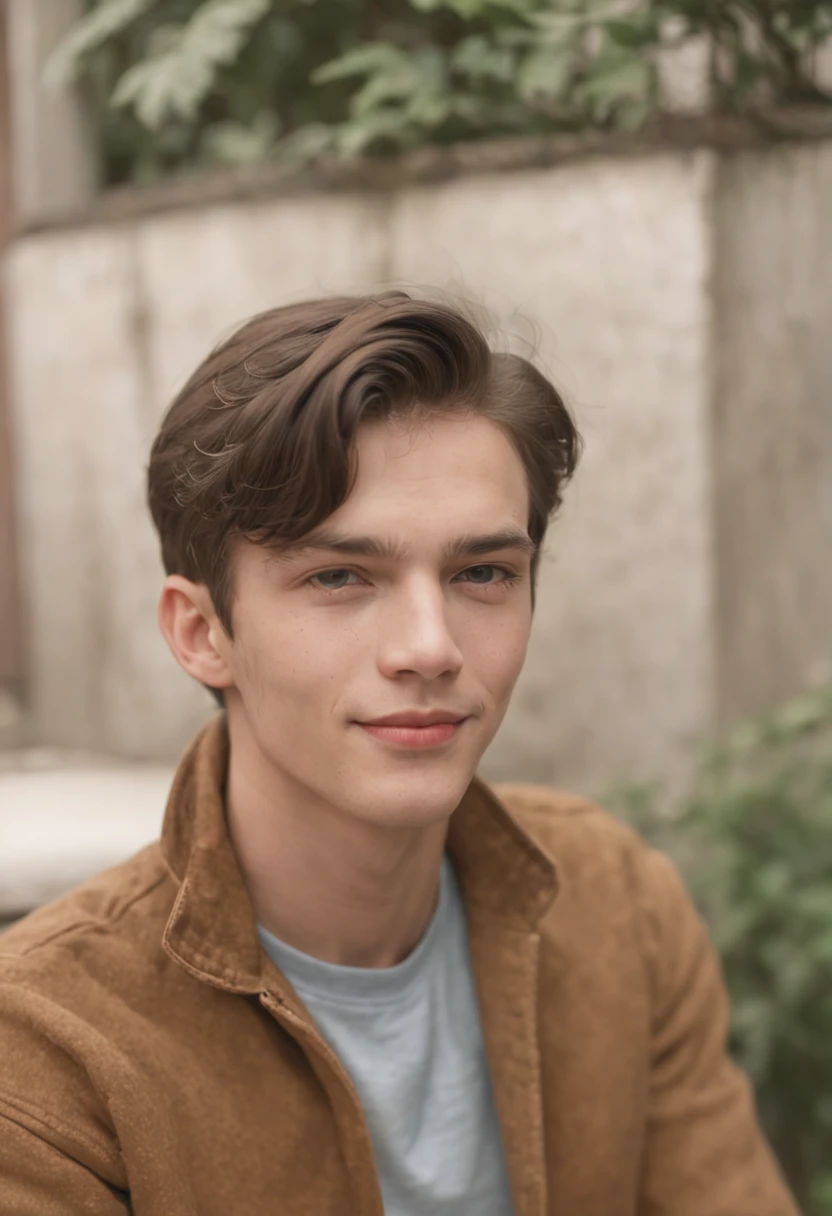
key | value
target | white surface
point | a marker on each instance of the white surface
(59, 827)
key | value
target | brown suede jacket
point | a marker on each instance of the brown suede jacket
(154, 1061)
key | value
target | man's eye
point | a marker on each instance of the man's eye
(333, 581)
(327, 574)
(507, 576)
(478, 569)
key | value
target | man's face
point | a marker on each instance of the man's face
(325, 639)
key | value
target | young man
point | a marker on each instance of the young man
(352, 978)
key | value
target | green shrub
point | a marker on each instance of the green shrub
(177, 85)
(754, 841)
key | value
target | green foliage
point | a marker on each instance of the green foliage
(184, 60)
(754, 841)
(104, 23)
(175, 85)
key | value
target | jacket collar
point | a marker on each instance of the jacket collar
(212, 931)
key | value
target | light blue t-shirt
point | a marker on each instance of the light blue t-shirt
(409, 1038)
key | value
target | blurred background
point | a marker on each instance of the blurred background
(639, 194)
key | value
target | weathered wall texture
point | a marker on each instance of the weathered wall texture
(611, 261)
(772, 425)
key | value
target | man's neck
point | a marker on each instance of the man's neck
(328, 884)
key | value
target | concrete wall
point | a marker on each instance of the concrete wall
(772, 424)
(612, 262)
(631, 272)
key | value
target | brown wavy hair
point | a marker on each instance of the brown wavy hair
(260, 441)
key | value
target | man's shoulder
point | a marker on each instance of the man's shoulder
(603, 864)
(92, 925)
(571, 826)
(70, 974)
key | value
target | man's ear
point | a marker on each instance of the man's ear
(193, 632)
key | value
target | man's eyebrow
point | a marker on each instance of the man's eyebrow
(469, 545)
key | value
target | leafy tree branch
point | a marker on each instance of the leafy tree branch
(178, 85)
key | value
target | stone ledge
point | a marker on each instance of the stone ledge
(63, 819)
(430, 165)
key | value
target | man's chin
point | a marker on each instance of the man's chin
(418, 803)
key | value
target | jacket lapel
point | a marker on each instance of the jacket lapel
(507, 882)
(505, 973)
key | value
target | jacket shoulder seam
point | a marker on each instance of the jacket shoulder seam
(25, 1113)
(88, 922)
(544, 800)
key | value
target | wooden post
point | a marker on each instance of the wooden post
(46, 171)
(11, 622)
(53, 171)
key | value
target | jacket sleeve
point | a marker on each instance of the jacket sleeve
(704, 1154)
(37, 1178)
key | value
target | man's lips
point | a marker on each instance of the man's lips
(414, 736)
(417, 718)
